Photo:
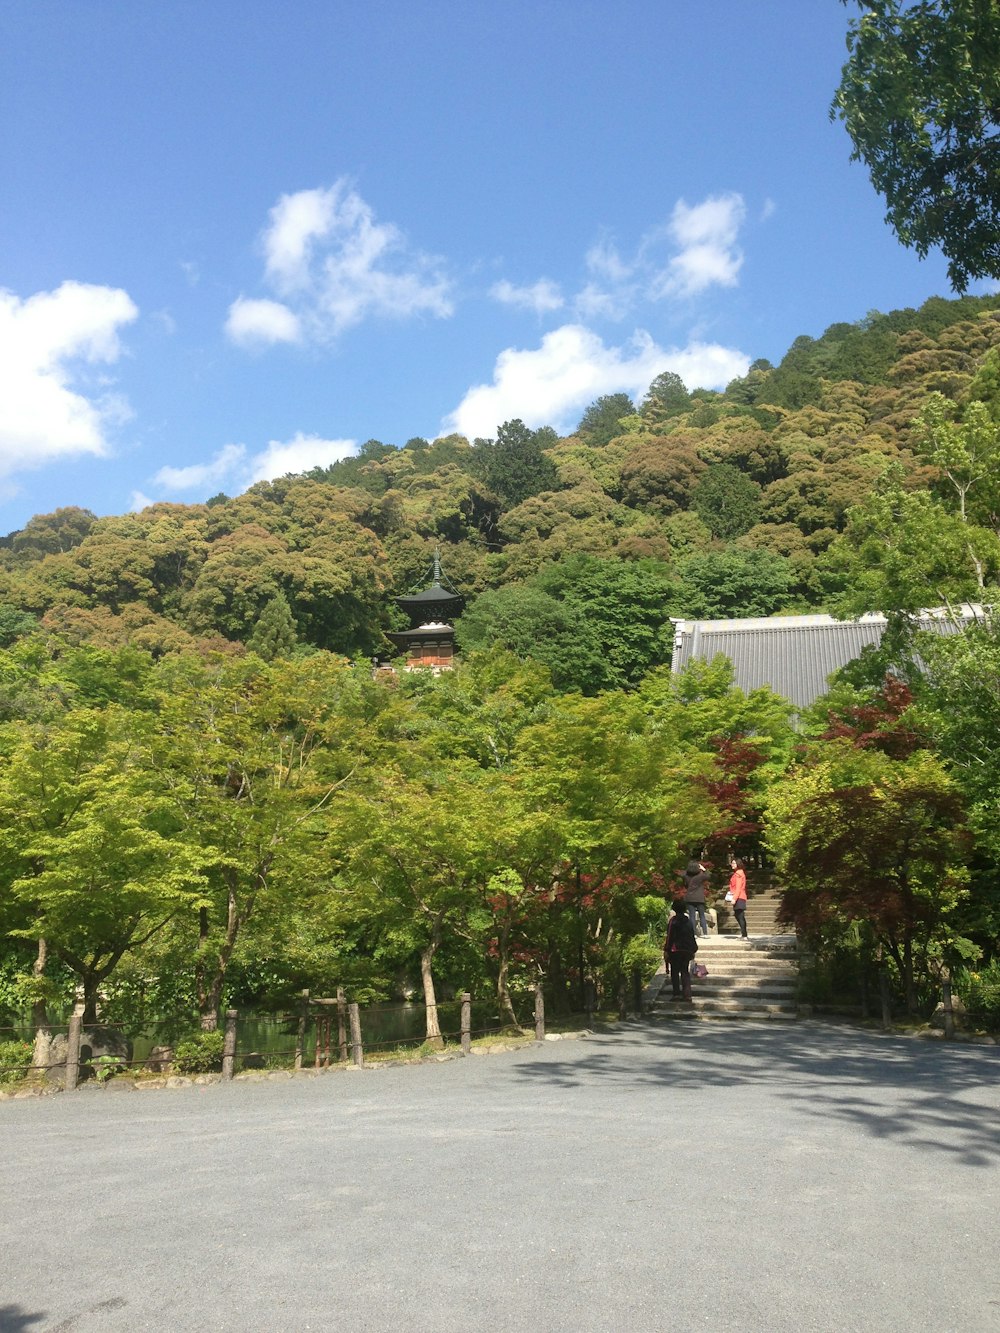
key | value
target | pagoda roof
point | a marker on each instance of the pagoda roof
(435, 593)
(435, 630)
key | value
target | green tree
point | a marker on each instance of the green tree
(625, 606)
(660, 474)
(968, 453)
(14, 625)
(860, 837)
(601, 421)
(416, 854)
(665, 398)
(734, 582)
(959, 704)
(727, 501)
(274, 634)
(920, 97)
(515, 465)
(253, 753)
(531, 623)
(902, 551)
(91, 843)
(50, 533)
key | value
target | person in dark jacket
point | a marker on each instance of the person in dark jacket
(696, 880)
(679, 949)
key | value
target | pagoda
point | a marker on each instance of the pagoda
(430, 640)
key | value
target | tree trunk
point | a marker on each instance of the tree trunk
(911, 990)
(210, 1001)
(91, 981)
(883, 987)
(503, 992)
(39, 1011)
(201, 967)
(433, 1035)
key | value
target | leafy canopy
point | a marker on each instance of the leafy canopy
(920, 97)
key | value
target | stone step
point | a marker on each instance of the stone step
(712, 985)
(747, 962)
(680, 1012)
(721, 947)
(748, 978)
(759, 947)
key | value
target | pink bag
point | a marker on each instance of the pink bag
(698, 971)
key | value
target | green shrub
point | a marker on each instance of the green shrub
(199, 1053)
(105, 1066)
(15, 1059)
(980, 993)
(642, 953)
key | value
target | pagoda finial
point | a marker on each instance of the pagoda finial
(437, 564)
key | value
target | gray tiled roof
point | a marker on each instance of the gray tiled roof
(794, 655)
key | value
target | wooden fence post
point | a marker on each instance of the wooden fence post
(539, 1012)
(357, 1050)
(946, 1005)
(300, 1041)
(73, 1048)
(324, 1024)
(229, 1046)
(466, 1023)
(342, 1024)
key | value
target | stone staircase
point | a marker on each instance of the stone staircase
(762, 915)
(756, 978)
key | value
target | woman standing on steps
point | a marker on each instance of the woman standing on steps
(738, 888)
(696, 880)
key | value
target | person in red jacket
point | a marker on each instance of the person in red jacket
(738, 888)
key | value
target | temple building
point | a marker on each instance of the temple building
(796, 655)
(430, 640)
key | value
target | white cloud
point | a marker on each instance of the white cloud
(696, 248)
(50, 405)
(596, 302)
(298, 454)
(233, 466)
(138, 502)
(254, 323)
(604, 260)
(552, 384)
(542, 297)
(334, 265)
(707, 234)
(202, 476)
(297, 220)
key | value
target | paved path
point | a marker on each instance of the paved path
(784, 1179)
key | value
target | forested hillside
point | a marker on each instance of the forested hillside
(852, 476)
(207, 796)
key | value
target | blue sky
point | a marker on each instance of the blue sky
(239, 239)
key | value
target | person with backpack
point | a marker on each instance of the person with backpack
(679, 949)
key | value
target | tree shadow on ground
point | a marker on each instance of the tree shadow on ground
(14, 1318)
(929, 1096)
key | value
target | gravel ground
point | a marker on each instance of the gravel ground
(726, 1177)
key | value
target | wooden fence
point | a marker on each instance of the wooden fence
(335, 1024)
